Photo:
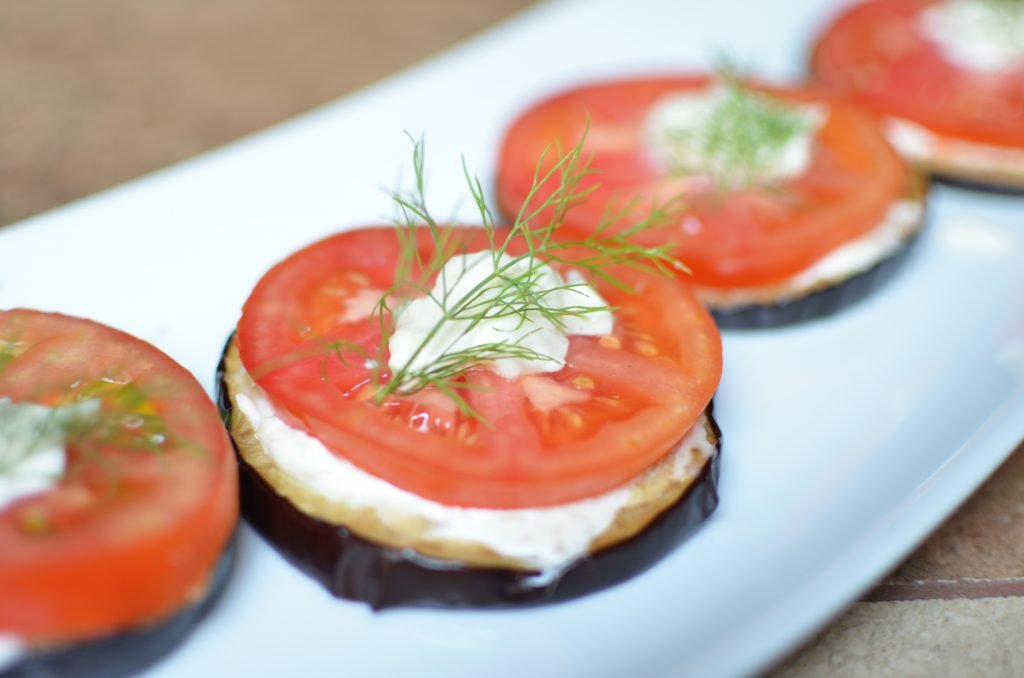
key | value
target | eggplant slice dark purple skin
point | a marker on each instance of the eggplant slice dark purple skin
(981, 185)
(355, 568)
(821, 303)
(130, 651)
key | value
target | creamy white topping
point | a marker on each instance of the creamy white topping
(979, 35)
(11, 650)
(543, 537)
(32, 438)
(464, 280)
(863, 253)
(840, 264)
(678, 126)
(922, 145)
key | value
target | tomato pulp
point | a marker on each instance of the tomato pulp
(877, 53)
(133, 529)
(621, 402)
(749, 236)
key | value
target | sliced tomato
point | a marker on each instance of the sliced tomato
(877, 53)
(640, 389)
(745, 237)
(132, 530)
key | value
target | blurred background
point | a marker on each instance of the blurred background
(95, 93)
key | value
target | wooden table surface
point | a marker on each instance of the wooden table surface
(93, 94)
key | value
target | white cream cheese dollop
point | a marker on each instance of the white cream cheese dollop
(32, 441)
(546, 538)
(678, 124)
(978, 35)
(464, 280)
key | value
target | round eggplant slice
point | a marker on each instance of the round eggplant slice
(827, 299)
(132, 650)
(818, 304)
(981, 184)
(353, 567)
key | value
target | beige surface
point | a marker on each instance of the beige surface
(94, 93)
(979, 552)
(923, 638)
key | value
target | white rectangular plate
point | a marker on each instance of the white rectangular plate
(846, 441)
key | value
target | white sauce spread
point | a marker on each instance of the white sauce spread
(919, 144)
(840, 264)
(678, 124)
(543, 537)
(11, 650)
(32, 437)
(866, 251)
(464, 279)
(979, 35)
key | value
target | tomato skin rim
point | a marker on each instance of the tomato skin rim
(122, 578)
(949, 122)
(714, 263)
(426, 465)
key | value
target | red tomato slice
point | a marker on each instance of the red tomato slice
(643, 388)
(748, 237)
(877, 54)
(132, 531)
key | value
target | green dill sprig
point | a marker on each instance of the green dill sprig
(1004, 16)
(744, 133)
(97, 414)
(1008, 7)
(29, 429)
(512, 289)
(9, 350)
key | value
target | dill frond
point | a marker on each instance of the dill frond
(742, 135)
(1002, 17)
(29, 431)
(511, 290)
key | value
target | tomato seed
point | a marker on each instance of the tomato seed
(358, 278)
(573, 418)
(35, 521)
(464, 430)
(608, 341)
(646, 348)
(585, 383)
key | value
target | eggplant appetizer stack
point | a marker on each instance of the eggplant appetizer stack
(474, 416)
(947, 76)
(785, 204)
(118, 499)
